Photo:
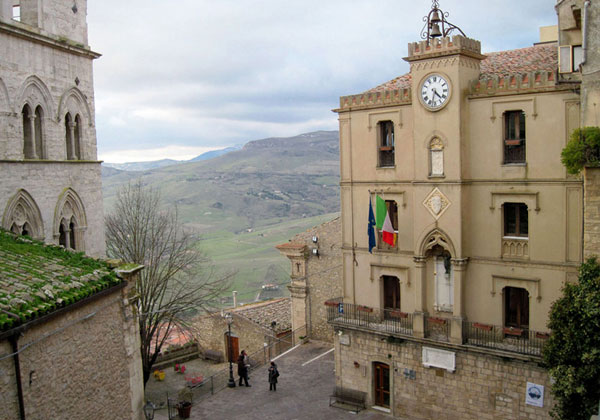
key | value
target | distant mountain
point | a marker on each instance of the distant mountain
(144, 166)
(266, 182)
(141, 166)
(215, 153)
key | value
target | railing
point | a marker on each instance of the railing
(279, 345)
(437, 328)
(514, 153)
(515, 340)
(382, 320)
(515, 247)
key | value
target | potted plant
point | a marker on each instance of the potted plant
(184, 405)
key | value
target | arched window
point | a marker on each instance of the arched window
(77, 138)
(62, 238)
(22, 216)
(39, 133)
(70, 221)
(28, 129)
(69, 127)
(72, 241)
(436, 157)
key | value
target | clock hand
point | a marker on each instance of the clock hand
(435, 93)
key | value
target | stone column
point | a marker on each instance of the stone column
(34, 154)
(459, 266)
(420, 283)
(71, 141)
(298, 255)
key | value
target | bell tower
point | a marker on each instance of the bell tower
(442, 67)
(51, 178)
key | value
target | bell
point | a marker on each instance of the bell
(435, 17)
(435, 30)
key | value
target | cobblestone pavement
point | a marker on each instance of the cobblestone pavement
(302, 392)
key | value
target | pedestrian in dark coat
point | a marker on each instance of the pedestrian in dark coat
(273, 375)
(243, 364)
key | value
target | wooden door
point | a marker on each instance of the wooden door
(232, 345)
(381, 380)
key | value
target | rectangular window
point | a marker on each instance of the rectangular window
(386, 143)
(16, 12)
(569, 57)
(514, 137)
(391, 293)
(392, 209)
(516, 307)
(516, 221)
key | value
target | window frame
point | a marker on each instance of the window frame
(520, 210)
(519, 310)
(514, 137)
(386, 157)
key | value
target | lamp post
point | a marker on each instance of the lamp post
(149, 410)
(229, 319)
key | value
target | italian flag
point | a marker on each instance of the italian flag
(383, 222)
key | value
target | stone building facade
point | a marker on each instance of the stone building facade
(316, 276)
(69, 340)
(464, 154)
(51, 187)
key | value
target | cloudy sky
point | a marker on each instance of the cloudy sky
(178, 78)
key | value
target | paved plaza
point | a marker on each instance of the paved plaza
(302, 392)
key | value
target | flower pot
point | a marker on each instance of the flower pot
(184, 409)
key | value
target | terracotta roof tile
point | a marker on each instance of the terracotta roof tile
(543, 57)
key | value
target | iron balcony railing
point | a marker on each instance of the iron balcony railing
(382, 320)
(515, 340)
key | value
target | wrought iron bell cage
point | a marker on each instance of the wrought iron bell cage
(436, 24)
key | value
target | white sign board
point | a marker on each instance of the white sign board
(534, 395)
(439, 358)
(345, 339)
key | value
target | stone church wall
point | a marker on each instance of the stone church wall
(83, 369)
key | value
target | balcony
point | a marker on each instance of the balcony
(512, 340)
(515, 340)
(380, 320)
(513, 247)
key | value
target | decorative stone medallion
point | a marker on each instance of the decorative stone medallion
(437, 203)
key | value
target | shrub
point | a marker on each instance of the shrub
(583, 149)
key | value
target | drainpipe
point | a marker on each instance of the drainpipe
(15, 349)
(586, 5)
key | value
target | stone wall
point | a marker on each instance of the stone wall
(323, 276)
(482, 387)
(210, 331)
(591, 209)
(76, 367)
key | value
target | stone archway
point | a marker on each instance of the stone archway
(70, 222)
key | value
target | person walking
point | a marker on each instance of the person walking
(273, 375)
(243, 363)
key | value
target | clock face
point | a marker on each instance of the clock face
(435, 91)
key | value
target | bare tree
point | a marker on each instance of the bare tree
(175, 279)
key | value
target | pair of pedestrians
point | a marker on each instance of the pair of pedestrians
(243, 363)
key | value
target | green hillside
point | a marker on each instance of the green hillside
(245, 202)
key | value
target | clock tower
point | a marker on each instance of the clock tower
(442, 68)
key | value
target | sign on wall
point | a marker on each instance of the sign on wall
(439, 358)
(534, 395)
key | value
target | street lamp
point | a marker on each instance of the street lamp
(229, 320)
(149, 410)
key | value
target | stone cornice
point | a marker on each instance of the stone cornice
(519, 83)
(41, 161)
(457, 45)
(31, 34)
(293, 250)
(375, 99)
